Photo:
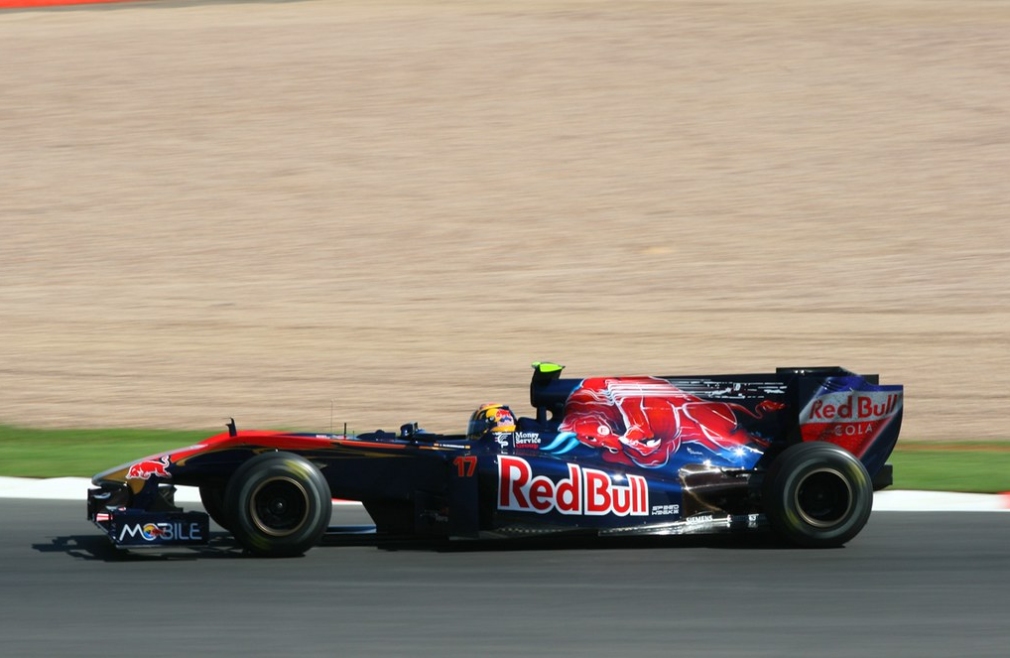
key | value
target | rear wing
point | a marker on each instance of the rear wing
(853, 411)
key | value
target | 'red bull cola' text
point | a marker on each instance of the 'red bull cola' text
(857, 407)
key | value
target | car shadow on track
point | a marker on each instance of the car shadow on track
(750, 542)
(97, 547)
(223, 546)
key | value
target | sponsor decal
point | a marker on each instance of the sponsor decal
(585, 491)
(851, 419)
(665, 510)
(644, 421)
(165, 531)
(857, 407)
(527, 440)
(502, 439)
(143, 470)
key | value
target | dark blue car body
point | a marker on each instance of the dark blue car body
(799, 449)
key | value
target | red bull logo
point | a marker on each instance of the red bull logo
(585, 491)
(144, 470)
(857, 407)
(642, 421)
(851, 419)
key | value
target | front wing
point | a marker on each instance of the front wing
(163, 525)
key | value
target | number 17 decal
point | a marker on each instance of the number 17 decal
(465, 466)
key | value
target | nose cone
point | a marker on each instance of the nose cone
(155, 466)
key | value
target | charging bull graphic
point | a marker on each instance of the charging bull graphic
(147, 468)
(642, 421)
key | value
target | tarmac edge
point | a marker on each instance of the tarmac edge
(898, 500)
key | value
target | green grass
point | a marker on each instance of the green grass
(974, 466)
(56, 453)
(981, 470)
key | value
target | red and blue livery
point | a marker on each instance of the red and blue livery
(799, 451)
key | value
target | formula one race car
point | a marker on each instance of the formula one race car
(800, 450)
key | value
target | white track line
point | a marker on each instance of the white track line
(883, 501)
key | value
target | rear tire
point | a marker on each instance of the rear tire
(817, 495)
(279, 505)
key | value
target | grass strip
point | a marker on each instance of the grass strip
(970, 466)
(44, 453)
(975, 470)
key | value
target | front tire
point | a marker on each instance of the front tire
(817, 495)
(279, 505)
(212, 497)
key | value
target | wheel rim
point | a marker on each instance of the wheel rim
(278, 506)
(824, 498)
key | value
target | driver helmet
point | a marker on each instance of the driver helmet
(490, 417)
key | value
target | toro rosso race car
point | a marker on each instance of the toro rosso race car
(799, 451)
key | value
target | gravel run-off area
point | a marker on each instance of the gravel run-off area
(389, 209)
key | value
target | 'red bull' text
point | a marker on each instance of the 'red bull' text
(585, 491)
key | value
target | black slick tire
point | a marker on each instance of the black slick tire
(212, 497)
(279, 505)
(817, 495)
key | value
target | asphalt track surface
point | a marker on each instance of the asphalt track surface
(912, 584)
